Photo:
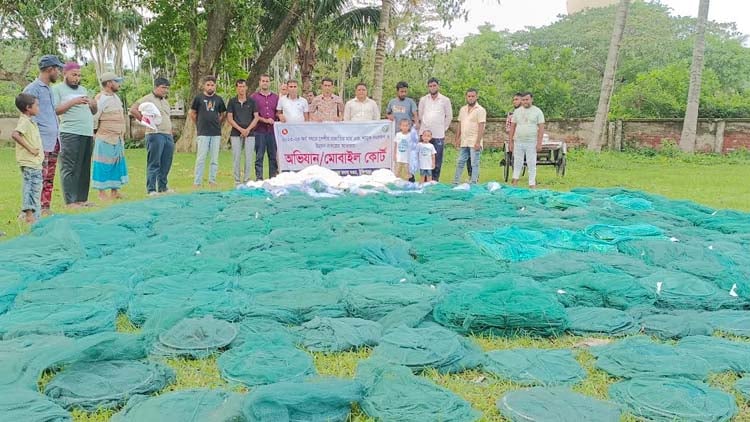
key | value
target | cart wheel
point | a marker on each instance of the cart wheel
(561, 164)
(507, 162)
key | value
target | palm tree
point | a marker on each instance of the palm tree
(379, 68)
(690, 125)
(608, 81)
(323, 22)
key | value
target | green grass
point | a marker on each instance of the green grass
(716, 181)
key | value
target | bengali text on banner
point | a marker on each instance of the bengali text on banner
(345, 147)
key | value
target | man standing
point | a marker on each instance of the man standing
(360, 108)
(435, 115)
(76, 112)
(266, 103)
(472, 119)
(241, 116)
(159, 142)
(208, 112)
(327, 107)
(516, 104)
(110, 169)
(293, 109)
(526, 133)
(402, 107)
(46, 120)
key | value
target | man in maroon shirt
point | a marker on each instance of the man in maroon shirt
(265, 141)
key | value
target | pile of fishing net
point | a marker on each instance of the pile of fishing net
(262, 279)
(665, 399)
(555, 404)
(535, 366)
(502, 306)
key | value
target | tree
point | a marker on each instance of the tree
(444, 10)
(35, 25)
(608, 81)
(280, 30)
(197, 34)
(690, 124)
(321, 23)
(379, 69)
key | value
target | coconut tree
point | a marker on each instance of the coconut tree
(608, 80)
(690, 125)
(324, 21)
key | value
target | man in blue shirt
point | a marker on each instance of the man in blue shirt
(46, 120)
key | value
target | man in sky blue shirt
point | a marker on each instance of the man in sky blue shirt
(46, 120)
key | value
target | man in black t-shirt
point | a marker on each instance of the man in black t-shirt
(241, 116)
(207, 112)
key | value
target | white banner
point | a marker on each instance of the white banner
(347, 147)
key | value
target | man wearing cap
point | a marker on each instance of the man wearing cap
(110, 170)
(46, 120)
(76, 110)
(159, 142)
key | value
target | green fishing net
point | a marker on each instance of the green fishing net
(534, 366)
(666, 399)
(195, 405)
(606, 321)
(325, 400)
(106, 384)
(394, 393)
(339, 334)
(542, 404)
(639, 356)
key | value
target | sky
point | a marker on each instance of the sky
(516, 15)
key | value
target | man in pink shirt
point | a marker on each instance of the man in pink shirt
(435, 115)
(266, 103)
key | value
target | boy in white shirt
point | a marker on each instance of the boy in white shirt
(426, 152)
(401, 146)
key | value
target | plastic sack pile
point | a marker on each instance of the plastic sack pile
(264, 276)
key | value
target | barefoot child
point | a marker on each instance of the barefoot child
(427, 154)
(401, 146)
(29, 157)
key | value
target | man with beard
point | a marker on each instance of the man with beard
(266, 103)
(110, 169)
(526, 135)
(472, 119)
(402, 107)
(46, 120)
(159, 141)
(208, 112)
(435, 115)
(76, 111)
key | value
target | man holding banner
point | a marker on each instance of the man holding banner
(361, 108)
(266, 103)
(293, 109)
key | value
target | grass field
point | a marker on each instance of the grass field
(720, 182)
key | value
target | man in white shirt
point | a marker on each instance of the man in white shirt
(292, 108)
(435, 115)
(361, 108)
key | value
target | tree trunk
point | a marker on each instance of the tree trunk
(690, 125)
(274, 45)
(608, 81)
(307, 57)
(118, 56)
(379, 68)
(204, 58)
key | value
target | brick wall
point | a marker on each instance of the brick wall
(721, 136)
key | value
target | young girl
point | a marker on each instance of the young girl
(426, 152)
